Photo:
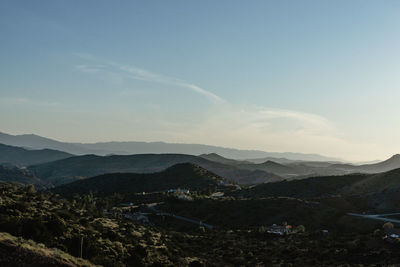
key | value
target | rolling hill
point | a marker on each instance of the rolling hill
(80, 167)
(23, 176)
(383, 166)
(217, 158)
(273, 167)
(305, 169)
(23, 157)
(357, 192)
(183, 175)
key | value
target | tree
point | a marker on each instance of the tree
(300, 229)
(387, 226)
(30, 189)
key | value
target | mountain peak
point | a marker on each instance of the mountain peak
(270, 162)
(395, 157)
(214, 155)
(184, 167)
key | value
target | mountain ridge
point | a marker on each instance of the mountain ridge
(136, 147)
(21, 156)
(81, 167)
(182, 175)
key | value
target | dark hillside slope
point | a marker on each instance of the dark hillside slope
(305, 188)
(184, 175)
(244, 213)
(375, 183)
(23, 157)
(79, 167)
(273, 167)
(14, 174)
(18, 252)
(217, 158)
(355, 192)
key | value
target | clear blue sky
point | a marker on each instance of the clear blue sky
(302, 76)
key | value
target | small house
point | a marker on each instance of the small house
(279, 229)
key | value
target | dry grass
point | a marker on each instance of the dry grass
(29, 251)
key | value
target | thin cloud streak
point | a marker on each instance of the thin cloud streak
(142, 75)
(28, 101)
(239, 126)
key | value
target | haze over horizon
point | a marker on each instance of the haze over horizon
(309, 77)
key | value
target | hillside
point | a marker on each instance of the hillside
(217, 158)
(19, 252)
(357, 192)
(383, 166)
(304, 169)
(23, 157)
(273, 167)
(70, 169)
(23, 176)
(305, 188)
(184, 175)
(110, 240)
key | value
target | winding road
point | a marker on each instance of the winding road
(161, 213)
(380, 217)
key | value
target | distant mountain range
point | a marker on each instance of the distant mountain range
(23, 157)
(383, 166)
(127, 148)
(80, 167)
(290, 169)
(55, 167)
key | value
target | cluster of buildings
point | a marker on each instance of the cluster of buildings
(279, 229)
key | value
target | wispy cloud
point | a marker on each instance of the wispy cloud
(89, 69)
(230, 124)
(28, 101)
(133, 72)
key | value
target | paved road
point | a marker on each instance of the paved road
(380, 217)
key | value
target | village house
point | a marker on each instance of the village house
(279, 229)
(217, 194)
(185, 197)
(183, 191)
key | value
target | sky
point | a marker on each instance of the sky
(300, 76)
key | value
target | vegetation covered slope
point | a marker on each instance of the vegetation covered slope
(18, 252)
(79, 167)
(64, 224)
(184, 175)
(14, 174)
(354, 192)
(23, 157)
(111, 240)
(217, 158)
(352, 184)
